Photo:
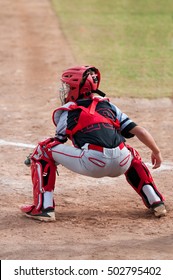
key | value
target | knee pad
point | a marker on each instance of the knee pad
(138, 176)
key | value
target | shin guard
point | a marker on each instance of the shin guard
(43, 174)
(139, 177)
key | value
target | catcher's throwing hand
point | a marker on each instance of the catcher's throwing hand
(145, 137)
(156, 159)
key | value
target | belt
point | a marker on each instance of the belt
(100, 149)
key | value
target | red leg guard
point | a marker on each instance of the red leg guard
(43, 174)
(138, 176)
(37, 181)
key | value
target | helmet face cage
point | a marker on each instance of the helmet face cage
(64, 91)
(79, 82)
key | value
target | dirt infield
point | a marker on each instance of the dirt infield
(96, 219)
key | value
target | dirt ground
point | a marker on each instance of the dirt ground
(96, 219)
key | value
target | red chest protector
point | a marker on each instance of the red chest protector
(89, 116)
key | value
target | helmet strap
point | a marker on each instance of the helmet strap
(99, 92)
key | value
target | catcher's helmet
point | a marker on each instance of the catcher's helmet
(79, 82)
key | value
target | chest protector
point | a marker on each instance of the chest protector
(88, 116)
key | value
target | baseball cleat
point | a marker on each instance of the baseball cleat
(159, 210)
(44, 215)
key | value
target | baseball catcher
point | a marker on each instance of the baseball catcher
(98, 131)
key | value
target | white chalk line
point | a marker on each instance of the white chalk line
(17, 144)
(165, 166)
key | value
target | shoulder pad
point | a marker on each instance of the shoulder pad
(57, 112)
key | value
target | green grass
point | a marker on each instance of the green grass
(130, 41)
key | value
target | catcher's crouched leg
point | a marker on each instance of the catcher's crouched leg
(43, 173)
(139, 177)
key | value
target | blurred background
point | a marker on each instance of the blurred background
(131, 41)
